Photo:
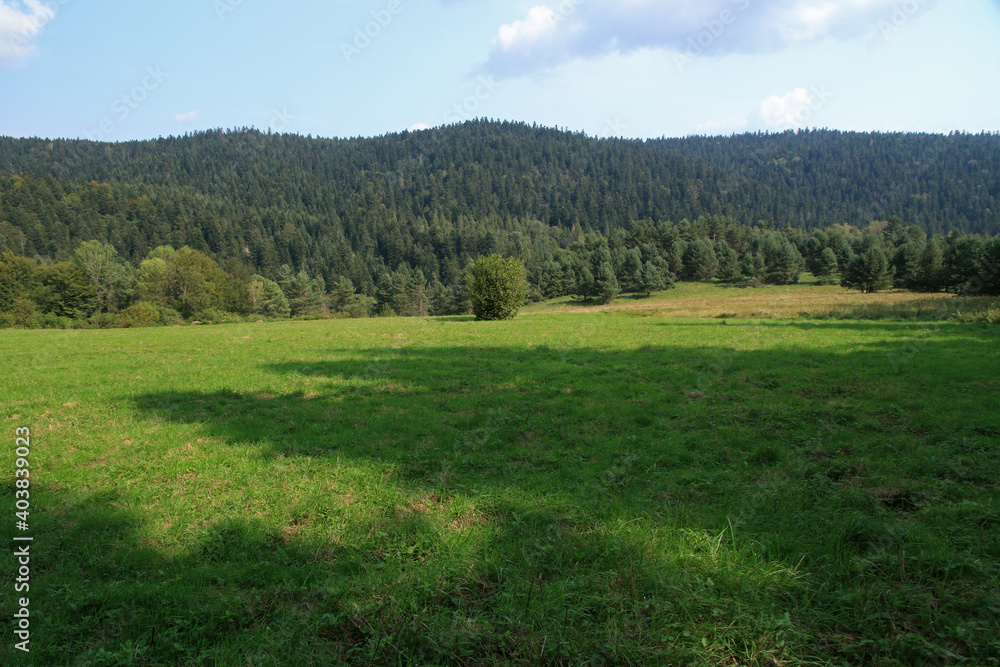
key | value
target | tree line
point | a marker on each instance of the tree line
(97, 287)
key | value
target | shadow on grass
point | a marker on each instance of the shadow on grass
(100, 595)
(665, 504)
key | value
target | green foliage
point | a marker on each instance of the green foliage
(963, 262)
(267, 298)
(23, 314)
(65, 291)
(305, 293)
(18, 279)
(827, 268)
(753, 269)
(497, 287)
(651, 279)
(403, 292)
(988, 281)
(729, 263)
(782, 262)
(629, 265)
(344, 299)
(153, 279)
(251, 203)
(105, 270)
(700, 262)
(870, 270)
(606, 286)
(930, 274)
(194, 283)
(141, 314)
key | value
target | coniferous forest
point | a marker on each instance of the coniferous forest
(275, 225)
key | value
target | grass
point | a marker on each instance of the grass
(802, 301)
(564, 488)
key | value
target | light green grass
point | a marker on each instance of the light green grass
(563, 488)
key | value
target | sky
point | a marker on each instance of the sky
(121, 70)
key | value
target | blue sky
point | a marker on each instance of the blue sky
(118, 70)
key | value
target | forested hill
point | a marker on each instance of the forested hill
(431, 199)
(814, 179)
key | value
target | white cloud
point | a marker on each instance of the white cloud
(187, 116)
(418, 126)
(20, 24)
(542, 39)
(788, 110)
(552, 34)
(519, 35)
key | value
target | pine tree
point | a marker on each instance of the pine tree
(870, 270)
(650, 279)
(729, 265)
(700, 262)
(629, 268)
(271, 300)
(827, 268)
(606, 286)
(930, 269)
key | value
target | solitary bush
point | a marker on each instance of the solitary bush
(497, 287)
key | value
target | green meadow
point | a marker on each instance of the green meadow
(566, 488)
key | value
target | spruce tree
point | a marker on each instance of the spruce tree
(606, 286)
(870, 270)
(650, 279)
(827, 268)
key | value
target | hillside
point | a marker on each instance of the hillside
(408, 211)
(507, 175)
(818, 178)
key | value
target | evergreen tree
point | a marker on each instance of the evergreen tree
(906, 263)
(729, 265)
(270, 299)
(650, 279)
(606, 286)
(826, 268)
(752, 267)
(963, 262)
(629, 268)
(584, 282)
(700, 262)
(989, 280)
(344, 299)
(870, 270)
(930, 269)
(305, 293)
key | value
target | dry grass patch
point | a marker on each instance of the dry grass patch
(785, 301)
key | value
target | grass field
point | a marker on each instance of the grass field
(804, 300)
(626, 486)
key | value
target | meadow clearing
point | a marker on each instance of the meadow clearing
(784, 476)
